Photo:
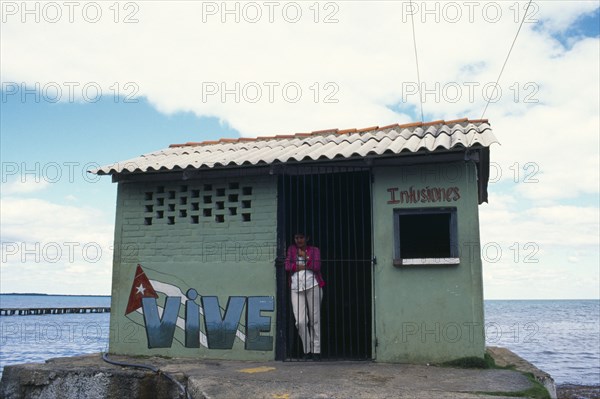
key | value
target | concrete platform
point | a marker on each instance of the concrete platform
(90, 377)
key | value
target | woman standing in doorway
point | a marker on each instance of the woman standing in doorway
(304, 262)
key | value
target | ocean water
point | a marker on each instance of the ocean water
(27, 339)
(561, 337)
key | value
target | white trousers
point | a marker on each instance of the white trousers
(308, 323)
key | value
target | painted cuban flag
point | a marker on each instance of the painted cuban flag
(143, 287)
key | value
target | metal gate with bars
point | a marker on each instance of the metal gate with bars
(331, 205)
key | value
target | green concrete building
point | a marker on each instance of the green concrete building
(202, 231)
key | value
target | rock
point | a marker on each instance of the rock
(58, 379)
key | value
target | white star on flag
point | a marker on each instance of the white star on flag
(140, 288)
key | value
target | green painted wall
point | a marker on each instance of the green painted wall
(216, 236)
(427, 313)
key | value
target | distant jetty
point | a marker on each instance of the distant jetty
(44, 311)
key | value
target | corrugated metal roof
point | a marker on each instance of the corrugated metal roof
(319, 145)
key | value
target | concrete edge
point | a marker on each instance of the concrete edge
(504, 357)
(89, 376)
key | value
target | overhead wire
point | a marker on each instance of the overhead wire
(506, 60)
(412, 17)
(499, 75)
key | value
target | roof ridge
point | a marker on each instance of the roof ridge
(330, 131)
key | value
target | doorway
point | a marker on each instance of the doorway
(332, 206)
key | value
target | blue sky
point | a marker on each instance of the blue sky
(587, 25)
(53, 142)
(175, 54)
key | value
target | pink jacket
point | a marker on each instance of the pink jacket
(313, 261)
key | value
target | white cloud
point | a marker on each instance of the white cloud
(550, 227)
(368, 55)
(23, 186)
(551, 280)
(56, 248)
(38, 220)
(533, 252)
(558, 136)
